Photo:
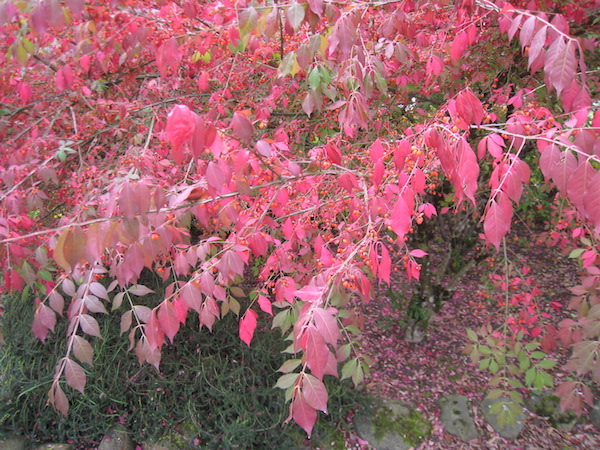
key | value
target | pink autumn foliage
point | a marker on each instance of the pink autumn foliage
(303, 144)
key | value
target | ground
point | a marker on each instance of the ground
(419, 374)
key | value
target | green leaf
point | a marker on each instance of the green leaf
(314, 79)
(576, 253)
(289, 365)
(525, 364)
(494, 367)
(295, 15)
(485, 350)
(538, 355)
(546, 364)
(472, 335)
(349, 368)
(287, 380)
(530, 376)
(484, 364)
(514, 382)
(494, 394)
(546, 379)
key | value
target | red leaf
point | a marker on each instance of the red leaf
(314, 392)
(348, 181)
(154, 334)
(247, 326)
(167, 319)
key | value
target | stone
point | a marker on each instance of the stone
(55, 447)
(13, 443)
(117, 439)
(456, 417)
(504, 415)
(392, 425)
(548, 405)
(595, 415)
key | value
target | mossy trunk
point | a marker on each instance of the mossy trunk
(453, 237)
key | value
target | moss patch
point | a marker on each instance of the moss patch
(412, 426)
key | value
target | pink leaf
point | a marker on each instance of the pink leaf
(458, 46)
(181, 125)
(537, 44)
(434, 66)
(99, 291)
(385, 265)
(265, 304)
(326, 325)
(314, 393)
(89, 325)
(401, 217)
(376, 151)
(469, 107)
(44, 320)
(310, 293)
(215, 176)
(82, 349)
(295, 15)
(592, 201)
(578, 183)
(58, 399)
(496, 223)
(168, 55)
(74, 375)
(527, 31)
(418, 253)
(303, 414)
(167, 319)
(247, 326)
(317, 352)
(561, 64)
(64, 78)
(242, 127)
